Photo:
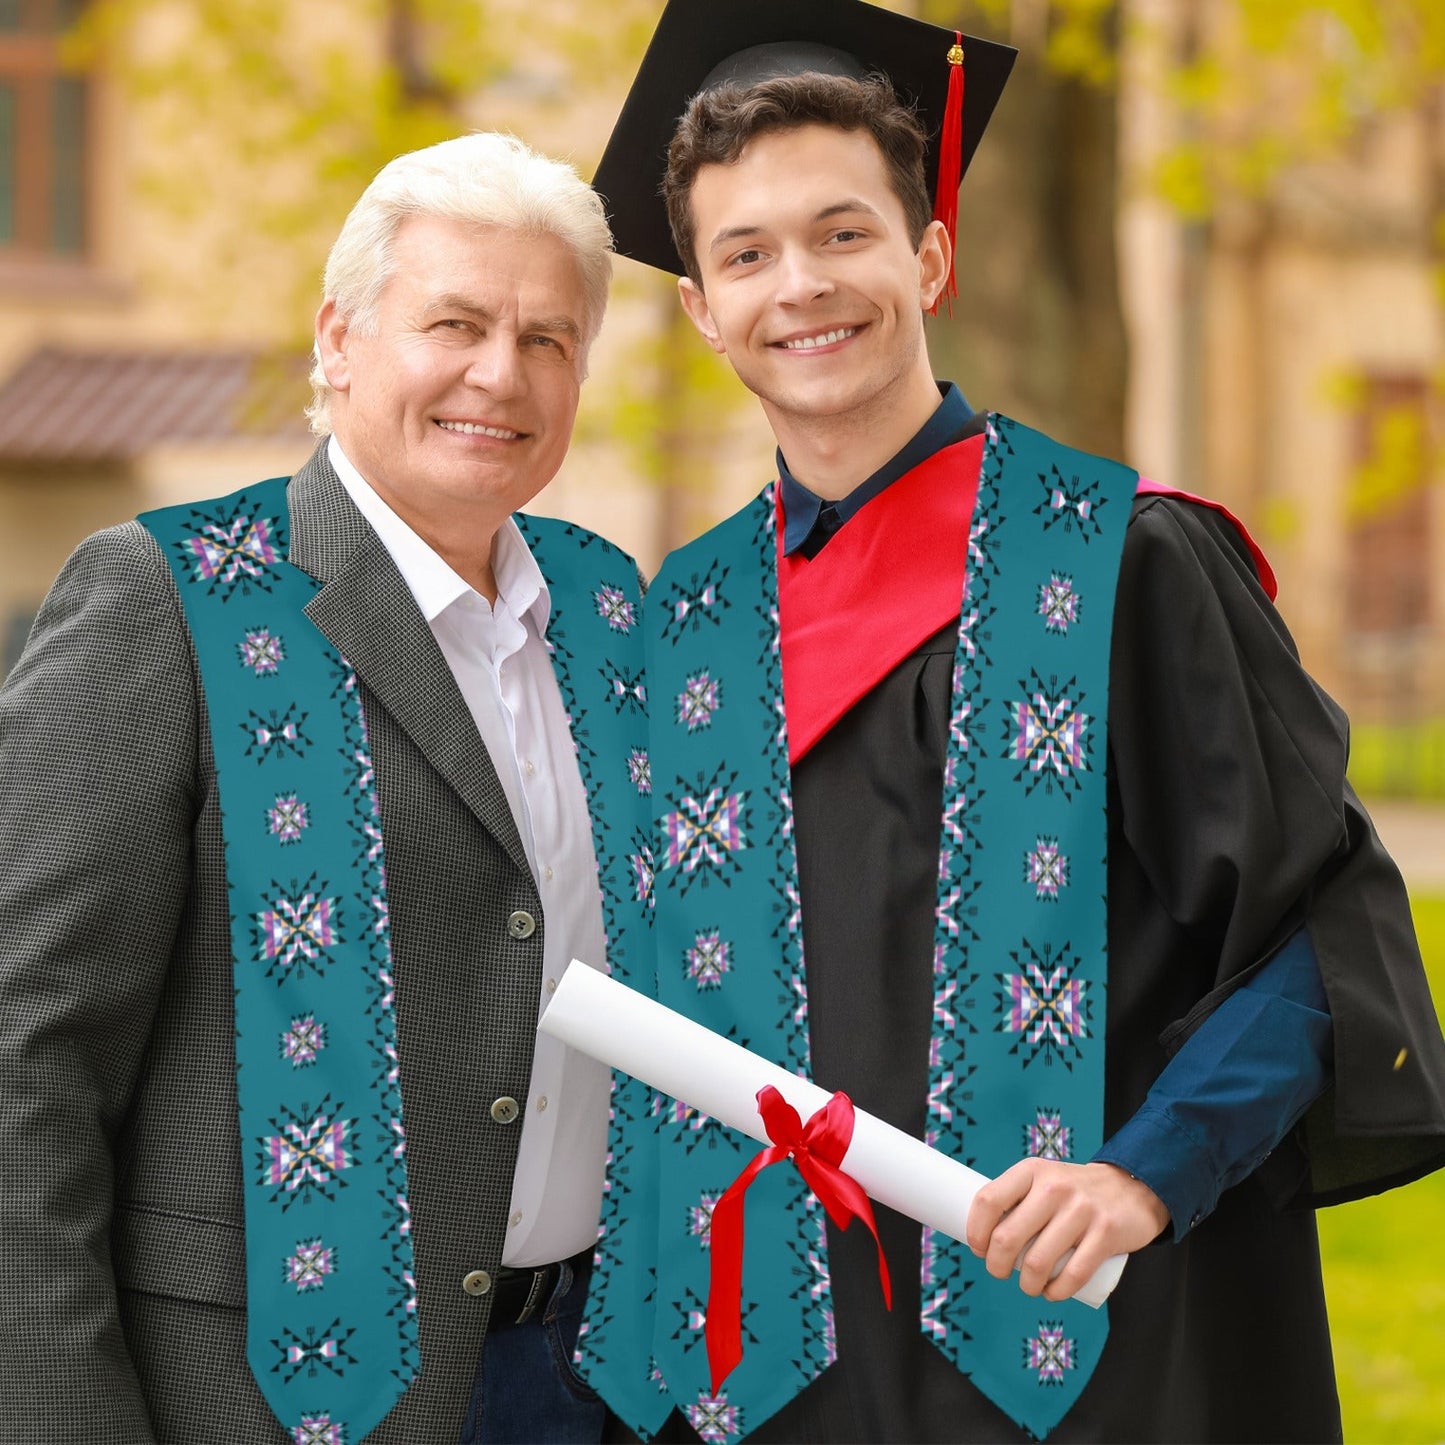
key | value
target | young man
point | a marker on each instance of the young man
(1050, 802)
(220, 1222)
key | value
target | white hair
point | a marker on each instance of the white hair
(485, 178)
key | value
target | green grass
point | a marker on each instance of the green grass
(1386, 1285)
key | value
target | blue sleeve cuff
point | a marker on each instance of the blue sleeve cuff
(1233, 1091)
(1177, 1167)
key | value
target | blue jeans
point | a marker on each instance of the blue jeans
(525, 1391)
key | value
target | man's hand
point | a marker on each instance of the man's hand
(1094, 1209)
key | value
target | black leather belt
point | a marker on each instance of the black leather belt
(518, 1295)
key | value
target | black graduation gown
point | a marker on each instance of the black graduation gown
(1230, 822)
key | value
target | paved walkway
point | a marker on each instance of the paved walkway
(1415, 835)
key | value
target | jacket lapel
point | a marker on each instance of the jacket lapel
(367, 612)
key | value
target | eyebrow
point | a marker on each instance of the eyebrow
(455, 301)
(560, 325)
(555, 326)
(852, 205)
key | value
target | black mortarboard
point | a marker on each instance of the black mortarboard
(702, 43)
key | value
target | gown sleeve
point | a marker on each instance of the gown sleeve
(1227, 772)
(1234, 1090)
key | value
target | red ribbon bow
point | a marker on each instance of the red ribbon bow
(817, 1148)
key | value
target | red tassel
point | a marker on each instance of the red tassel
(950, 166)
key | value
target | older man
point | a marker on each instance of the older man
(295, 837)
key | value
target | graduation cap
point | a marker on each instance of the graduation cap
(952, 82)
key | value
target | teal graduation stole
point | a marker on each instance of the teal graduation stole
(331, 1295)
(331, 1292)
(595, 635)
(1021, 943)
(1020, 965)
(729, 949)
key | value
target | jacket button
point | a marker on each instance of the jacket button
(478, 1282)
(521, 924)
(505, 1110)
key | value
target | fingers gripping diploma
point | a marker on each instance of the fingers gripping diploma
(1033, 1214)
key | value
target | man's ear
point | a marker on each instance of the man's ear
(699, 313)
(935, 256)
(332, 334)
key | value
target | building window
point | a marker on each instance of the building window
(43, 126)
(1391, 575)
(1389, 510)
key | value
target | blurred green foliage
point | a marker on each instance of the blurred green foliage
(1269, 84)
(263, 120)
(1401, 455)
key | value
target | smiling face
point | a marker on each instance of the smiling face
(457, 405)
(810, 284)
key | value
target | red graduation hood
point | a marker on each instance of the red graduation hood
(886, 582)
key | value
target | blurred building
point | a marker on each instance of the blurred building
(1285, 354)
(145, 359)
(109, 402)
(1288, 357)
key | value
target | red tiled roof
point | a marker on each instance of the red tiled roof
(61, 405)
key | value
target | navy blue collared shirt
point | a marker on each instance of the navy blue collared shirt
(1248, 1073)
(807, 524)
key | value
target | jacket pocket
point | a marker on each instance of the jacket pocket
(158, 1251)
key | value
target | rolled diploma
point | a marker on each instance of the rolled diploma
(669, 1052)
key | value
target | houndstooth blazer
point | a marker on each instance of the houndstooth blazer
(123, 1314)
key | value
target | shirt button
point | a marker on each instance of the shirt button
(516, 1219)
(529, 767)
(505, 1110)
(542, 1104)
(551, 985)
(521, 924)
(478, 1282)
(548, 874)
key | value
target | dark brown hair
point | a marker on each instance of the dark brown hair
(719, 123)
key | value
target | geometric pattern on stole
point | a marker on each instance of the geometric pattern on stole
(331, 1294)
(1020, 956)
(730, 956)
(595, 638)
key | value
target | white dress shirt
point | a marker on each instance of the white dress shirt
(500, 662)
